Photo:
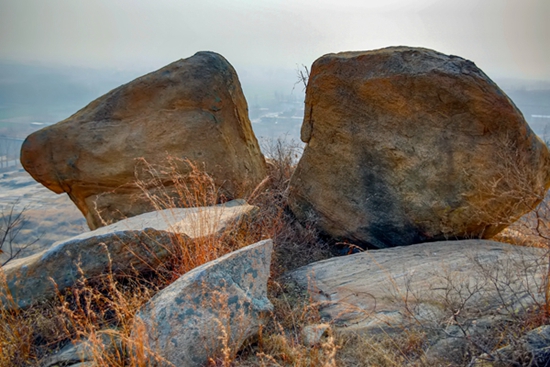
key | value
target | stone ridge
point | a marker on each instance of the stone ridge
(405, 60)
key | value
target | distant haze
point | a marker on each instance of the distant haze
(506, 38)
(58, 55)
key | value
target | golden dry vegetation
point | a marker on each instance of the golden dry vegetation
(103, 309)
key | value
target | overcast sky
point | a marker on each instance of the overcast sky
(506, 38)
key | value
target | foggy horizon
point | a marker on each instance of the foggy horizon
(58, 56)
(505, 39)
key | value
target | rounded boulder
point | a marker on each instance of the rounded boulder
(191, 110)
(407, 145)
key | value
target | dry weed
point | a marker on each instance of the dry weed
(106, 307)
(27, 335)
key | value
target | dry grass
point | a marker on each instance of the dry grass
(107, 307)
(102, 311)
(282, 342)
(532, 229)
(28, 334)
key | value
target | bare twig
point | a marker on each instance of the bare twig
(11, 224)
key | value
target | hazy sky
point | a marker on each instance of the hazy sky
(506, 38)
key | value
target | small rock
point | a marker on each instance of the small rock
(314, 334)
(80, 353)
(532, 349)
(450, 350)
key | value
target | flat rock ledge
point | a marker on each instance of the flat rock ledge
(217, 305)
(389, 289)
(139, 243)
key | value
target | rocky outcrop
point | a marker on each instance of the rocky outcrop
(191, 109)
(219, 304)
(139, 243)
(407, 145)
(426, 284)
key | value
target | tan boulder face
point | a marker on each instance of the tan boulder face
(191, 109)
(406, 145)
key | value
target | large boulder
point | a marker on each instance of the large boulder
(140, 243)
(209, 309)
(406, 145)
(193, 109)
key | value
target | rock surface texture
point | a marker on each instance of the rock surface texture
(408, 145)
(80, 354)
(426, 284)
(191, 109)
(186, 322)
(532, 349)
(139, 243)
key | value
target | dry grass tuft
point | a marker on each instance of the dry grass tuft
(27, 335)
(101, 314)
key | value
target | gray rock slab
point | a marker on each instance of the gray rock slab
(216, 305)
(381, 290)
(137, 243)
